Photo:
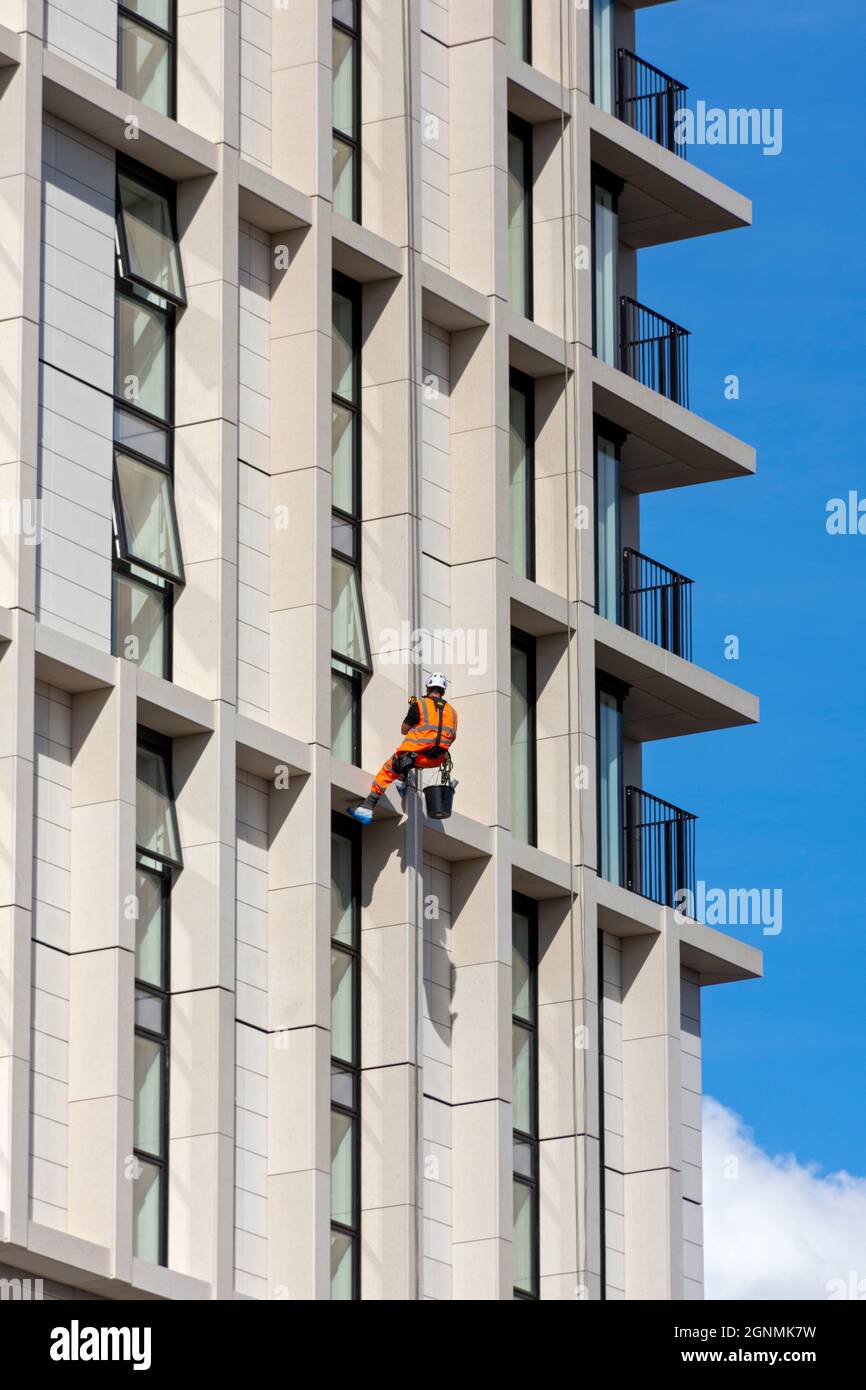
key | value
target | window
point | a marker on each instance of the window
(602, 53)
(148, 240)
(605, 264)
(145, 52)
(610, 780)
(521, 474)
(524, 1094)
(520, 216)
(520, 29)
(146, 521)
(523, 819)
(155, 820)
(346, 78)
(155, 825)
(350, 645)
(608, 543)
(149, 288)
(345, 1060)
(141, 354)
(605, 246)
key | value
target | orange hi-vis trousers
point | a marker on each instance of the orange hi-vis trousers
(407, 756)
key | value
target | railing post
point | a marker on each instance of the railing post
(676, 595)
(629, 839)
(671, 115)
(673, 353)
(625, 601)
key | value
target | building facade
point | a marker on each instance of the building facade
(323, 366)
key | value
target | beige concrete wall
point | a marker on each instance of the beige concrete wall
(249, 706)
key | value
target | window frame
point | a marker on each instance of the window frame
(600, 178)
(343, 828)
(526, 55)
(528, 908)
(524, 642)
(170, 36)
(122, 569)
(593, 93)
(162, 188)
(618, 691)
(617, 436)
(352, 291)
(122, 536)
(355, 681)
(519, 381)
(339, 137)
(163, 993)
(150, 862)
(524, 132)
(161, 746)
(126, 288)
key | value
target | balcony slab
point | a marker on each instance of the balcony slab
(668, 446)
(665, 198)
(668, 696)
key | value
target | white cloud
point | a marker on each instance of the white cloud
(774, 1227)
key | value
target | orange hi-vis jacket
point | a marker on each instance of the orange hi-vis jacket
(436, 727)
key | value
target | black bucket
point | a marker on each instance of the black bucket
(439, 801)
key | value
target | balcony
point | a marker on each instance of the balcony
(659, 848)
(657, 603)
(654, 351)
(648, 100)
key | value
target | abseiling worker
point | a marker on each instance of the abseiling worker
(429, 729)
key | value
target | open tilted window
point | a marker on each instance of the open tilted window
(147, 239)
(349, 629)
(146, 521)
(155, 819)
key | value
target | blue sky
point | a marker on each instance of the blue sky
(782, 307)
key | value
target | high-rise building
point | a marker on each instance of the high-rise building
(323, 365)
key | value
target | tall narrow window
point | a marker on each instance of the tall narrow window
(605, 243)
(608, 530)
(610, 782)
(346, 78)
(602, 54)
(149, 287)
(145, 52)
(345, 1060)
(350, 646)
(523, 777)
(522, 474)
(520, 216)
(524, 1093)
(520, 29)
(157, 856)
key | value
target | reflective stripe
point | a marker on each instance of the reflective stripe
(436, 726)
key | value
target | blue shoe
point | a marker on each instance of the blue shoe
(362, 814)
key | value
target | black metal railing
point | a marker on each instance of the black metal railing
(657, 603)
(659, 849)
(654, 350)
(648, 100)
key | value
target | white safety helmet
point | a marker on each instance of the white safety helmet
(437, 680)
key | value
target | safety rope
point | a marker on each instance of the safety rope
(569, 268)
(415, 828)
